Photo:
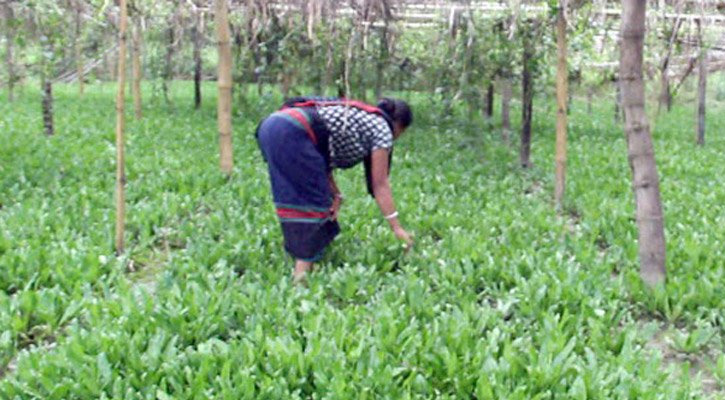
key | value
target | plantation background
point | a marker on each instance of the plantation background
(501, 297)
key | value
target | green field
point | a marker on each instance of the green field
(499, 299)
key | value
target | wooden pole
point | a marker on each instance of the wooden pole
(224, 82)
(120, 156)
(645, 180)
(561, 102)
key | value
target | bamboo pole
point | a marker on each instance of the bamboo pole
(224, 83)
(561, 102)
(120, 156)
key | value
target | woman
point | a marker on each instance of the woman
(304, 142)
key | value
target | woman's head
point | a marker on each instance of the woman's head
(399, 112)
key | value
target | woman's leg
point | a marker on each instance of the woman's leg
(299, 275)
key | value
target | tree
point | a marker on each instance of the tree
(120, 121)
(136, 60)
(489, 100)
(645, 180)
(168, 74)
(665, 92)
(197, 33)
(9, 40)
(384, 53)
(702, 81)
(77, 43)
(224, 82)
(506, 93)
(527, 101)
(562, 74)
(49, 18)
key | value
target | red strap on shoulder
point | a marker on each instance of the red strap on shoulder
(303, 121)
(351, 103)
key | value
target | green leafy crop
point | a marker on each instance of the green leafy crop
(500, 298)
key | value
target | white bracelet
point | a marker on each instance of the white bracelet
(391, 216)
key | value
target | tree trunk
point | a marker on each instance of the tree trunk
(665, 92)
(168, 59)
(137, 70)
(701, 89)
(590, 96)
(506, 108)
(382, 60)
(526, 105)
(561, 102)
(197, 33)
(224, 103)
(77, 45)
(330, 56)
(489, 101)
(120, 156)
(112, 66)
(645, 180)
(9, 38)
(617, 100)
(47, 105)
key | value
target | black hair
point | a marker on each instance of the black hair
(398, 110)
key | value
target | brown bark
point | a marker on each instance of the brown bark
(197, 33)
(645, 180)
(561, 102)
(9, 38)
(137, 70)
(120, 122)
(506, 108)
(701, 89)
(47, 87)
(224, 82)
(526, 105)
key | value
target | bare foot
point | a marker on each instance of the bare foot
(299, 276)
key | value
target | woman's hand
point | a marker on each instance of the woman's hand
(403, 235)
(335, 208)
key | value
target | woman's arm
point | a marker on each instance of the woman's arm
(384, 195)
(336, 196)
(333, 185)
